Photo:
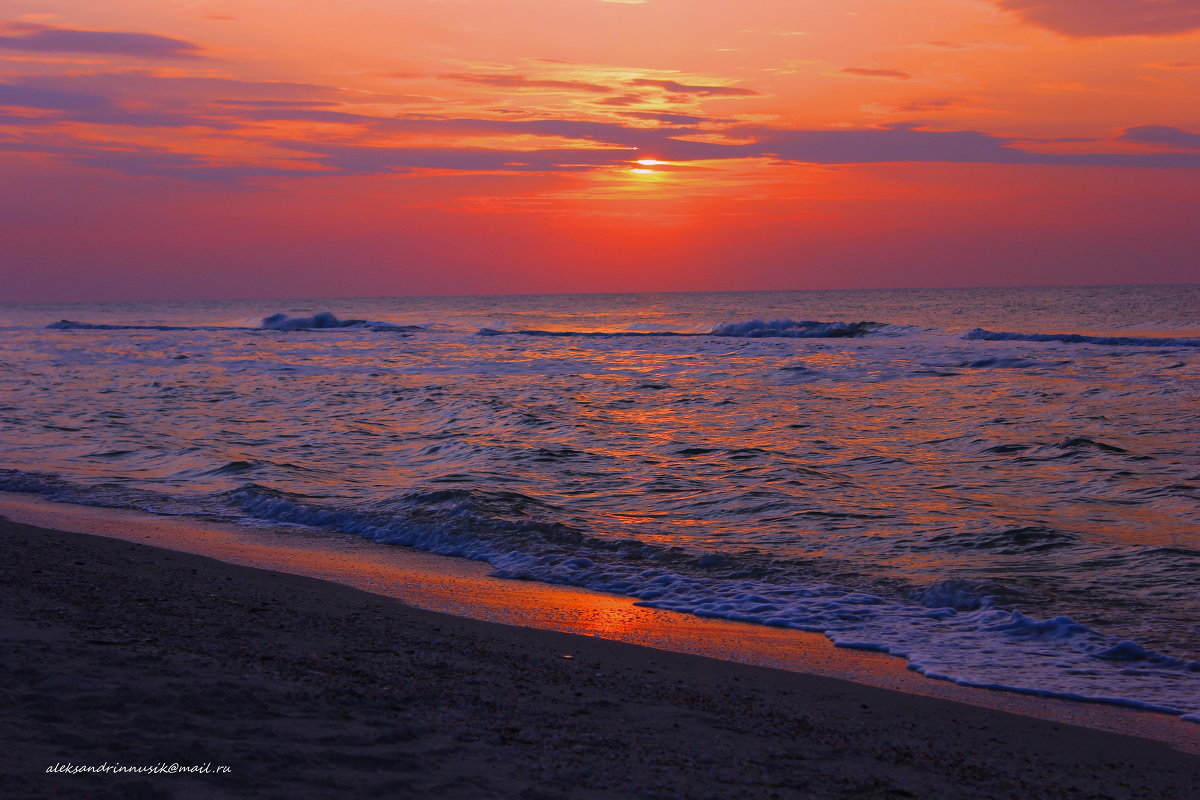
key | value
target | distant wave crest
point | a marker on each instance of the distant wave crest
(580, 334)
(793, 329)
(1080, 338)
(323, 320)
(749, 329)
(72, 325)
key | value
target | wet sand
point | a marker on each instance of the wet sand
(123, 653)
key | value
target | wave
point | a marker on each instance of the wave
(323, 320)
(793, 329)
(1079, 338)
(1009, 363)
(749, 329)
(951, 630)
(582, 334)
(1011, 541)
(72, 325)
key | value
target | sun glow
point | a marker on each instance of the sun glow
(644, 164)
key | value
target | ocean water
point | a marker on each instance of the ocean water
(999, 485)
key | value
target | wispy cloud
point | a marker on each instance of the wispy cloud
(683, 88)
(866, 72)
(512, 81)
(666, 117)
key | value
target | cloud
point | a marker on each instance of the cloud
(621, 144)
(44, 108)
(48, 39)
(140, 100)
(929, 104)
(48, 99)
(878, 73)
(683, 88)
(893, 143)
(67, 106)
(671, 119)
(522, 82)
(621, 100)
(1099, 18)
(1162, 135)
(283, 113)
(274, 103)
(146, 87)
(140, 161)
(908, 143)
(365, 160)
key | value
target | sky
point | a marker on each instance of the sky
(161, 149)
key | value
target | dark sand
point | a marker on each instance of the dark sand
(122, 653)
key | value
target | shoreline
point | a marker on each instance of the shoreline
(464, 589)
(306, 688)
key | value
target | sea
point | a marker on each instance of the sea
(1000, 486)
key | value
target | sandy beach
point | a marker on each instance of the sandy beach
(131, 655)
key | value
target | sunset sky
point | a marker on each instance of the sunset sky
(290, 148)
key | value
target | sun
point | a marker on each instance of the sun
(644, 164)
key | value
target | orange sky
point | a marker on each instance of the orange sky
(187, 148)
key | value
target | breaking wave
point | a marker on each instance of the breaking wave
(325, 320)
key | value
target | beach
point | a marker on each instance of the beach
(127, 654)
